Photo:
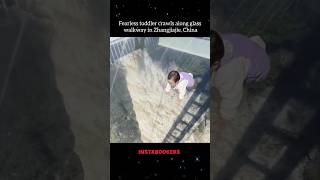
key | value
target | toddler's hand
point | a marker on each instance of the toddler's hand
(170, 93)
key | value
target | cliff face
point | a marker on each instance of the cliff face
(78, 53)
(37, 138)
(123, 124)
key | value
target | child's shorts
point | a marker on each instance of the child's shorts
(190, 82)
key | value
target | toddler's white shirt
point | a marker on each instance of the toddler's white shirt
(181, 87)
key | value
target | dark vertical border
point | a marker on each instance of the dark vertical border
(211, 104)
(107, 38)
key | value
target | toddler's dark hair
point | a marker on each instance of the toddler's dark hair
(174, 75)
(217, 48)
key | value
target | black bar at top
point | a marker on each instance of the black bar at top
(190, 11)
